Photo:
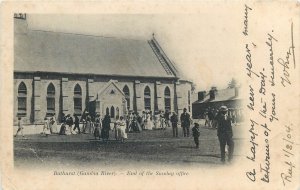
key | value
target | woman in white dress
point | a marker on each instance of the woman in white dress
(88, 127)
(121, 129)
(46, 128)
(53, 125)
(148, 122)
(156, 121)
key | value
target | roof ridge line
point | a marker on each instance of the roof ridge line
(90, 35)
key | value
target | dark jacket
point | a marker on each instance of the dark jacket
(167, 115)
(76, 121)
(106, 122)
(174, 119)
(69, 121)
(196, 131)
(224, 127)
(185, 119)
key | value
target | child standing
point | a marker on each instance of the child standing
(46, 128)
(196, 134)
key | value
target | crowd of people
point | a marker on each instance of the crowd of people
(211, 116)
(100, 127)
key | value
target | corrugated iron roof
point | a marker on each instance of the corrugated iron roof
(46, 51)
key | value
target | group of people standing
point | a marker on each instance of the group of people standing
(160, 120)
(97, 126)
(100, 127)
(50, 126)
(223, 122)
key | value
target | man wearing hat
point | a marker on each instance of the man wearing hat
(185, 123)
(225, 133)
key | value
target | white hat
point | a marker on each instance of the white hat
(223, 108)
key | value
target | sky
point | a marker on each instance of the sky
(204, 46)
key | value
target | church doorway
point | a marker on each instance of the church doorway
(111, 100)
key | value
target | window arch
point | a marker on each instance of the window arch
(112, 112)
(127, 96)
(22, 99)
(167, 94)
(147, 98)
(50, 98)
(77, 100)
(117, 113)
(77, 90)
(107, 111)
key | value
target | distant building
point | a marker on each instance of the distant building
(214, 99)
(56, 73)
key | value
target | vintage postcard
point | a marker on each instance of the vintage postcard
(150, 95)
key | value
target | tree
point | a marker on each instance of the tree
(232, 83)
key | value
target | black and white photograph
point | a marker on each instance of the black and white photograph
(150, 95)
(111, 97)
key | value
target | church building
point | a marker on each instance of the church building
(67, 73)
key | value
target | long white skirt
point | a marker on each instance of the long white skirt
(53, 128)
(122, 131)
(148, 125)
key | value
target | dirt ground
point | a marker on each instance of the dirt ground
(156, 147)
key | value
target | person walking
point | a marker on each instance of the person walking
(97, 127)
(20, 127)
(196, 134)
(140, 121)
(162, 120)
(206, 118)
(148, 122)
(174, 121)
(225, 133)
(105, 127)
(62, 130)
(121, 129)
(46, 128)
(53, 124)
(76, 124)
(88, 128)
(70, 123)
(185, 123)
(167, 118)
(144, 117)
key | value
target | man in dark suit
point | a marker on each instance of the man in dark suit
(105, 127)
(225, 133)
(76, 124)
(174, 121)
(185, 123)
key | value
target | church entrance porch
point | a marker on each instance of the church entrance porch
(111, 100)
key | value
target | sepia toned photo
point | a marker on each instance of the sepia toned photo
(149, 95)
(114, 100)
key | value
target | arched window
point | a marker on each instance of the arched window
(51, 99)
(167, 99)
(107, 111)
(147, 98)
(112, 112)
(117, 113)
(127, 96)
(77, 100)
(22, 99)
